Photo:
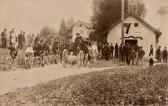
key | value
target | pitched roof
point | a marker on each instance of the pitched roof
(157, 32)
(87, 25)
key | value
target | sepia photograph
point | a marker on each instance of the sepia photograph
(83, 52)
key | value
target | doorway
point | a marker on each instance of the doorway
(132, 42)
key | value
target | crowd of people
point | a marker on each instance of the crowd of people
(12, 41)
(130, 54)
(10, 38)
(161, 55)
(41, 47)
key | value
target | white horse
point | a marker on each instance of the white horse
(72, 59)
(29, 58)
(64, 57)
(94, 52)
(81, 57)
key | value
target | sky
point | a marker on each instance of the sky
(32, 15)
(152, 15)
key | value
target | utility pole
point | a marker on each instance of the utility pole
(122, 21)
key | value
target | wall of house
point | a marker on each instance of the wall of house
(82, 30)
(149, 37)
(164, 30)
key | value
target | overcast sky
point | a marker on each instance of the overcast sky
(31, 15)
(153, 6)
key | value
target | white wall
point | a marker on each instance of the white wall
(84, 31)
(148, 35)
(164, 30)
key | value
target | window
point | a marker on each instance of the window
(80, 25)
(125, 24)
(136, 24)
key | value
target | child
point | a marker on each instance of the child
(151, 61)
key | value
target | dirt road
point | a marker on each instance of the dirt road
(12, 80)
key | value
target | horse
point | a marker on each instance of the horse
(81, 58)
(64, 57)
(72, 59)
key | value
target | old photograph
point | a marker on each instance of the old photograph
(83, 52)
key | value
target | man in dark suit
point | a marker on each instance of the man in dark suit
(165, 55)
(116, 51)
(111, 51)
(4, 38)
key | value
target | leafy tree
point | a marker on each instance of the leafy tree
(48, 32)
(106, 13)
(66, 28)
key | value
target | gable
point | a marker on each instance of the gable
(80, 24)
(137, 20)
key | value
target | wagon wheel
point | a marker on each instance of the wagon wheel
(49, 59)
(45, 60)
(38, 61)
(9, 60)
(27, 63)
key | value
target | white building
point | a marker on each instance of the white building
(136, 30)
(164, 25)
(81, 28)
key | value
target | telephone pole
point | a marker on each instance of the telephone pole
(122, 21)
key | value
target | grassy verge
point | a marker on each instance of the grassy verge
(128, 86)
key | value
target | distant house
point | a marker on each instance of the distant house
(81, 28)
(136, 30)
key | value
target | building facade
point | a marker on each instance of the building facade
(136, 30)
(82, 29)
(164, 25)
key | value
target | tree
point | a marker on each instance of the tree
(106, 13)
(66, 28)
(48, 32)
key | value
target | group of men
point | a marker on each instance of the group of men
(161, 55)
(9, 39)
(12, 41)
(124, 52)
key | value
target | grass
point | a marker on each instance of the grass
(127, 86)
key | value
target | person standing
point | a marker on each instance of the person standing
(103, 48)
(4, 38)
(127, 53)
(158, 54)
(21, 39)
(121, 53)
(132, 56)
(36, 39)
(116, 50)
(99, 47)
(141, 54)
(151, 51)
(106, 52)
(136, 48)
(111, 51)
(124, 50)
(165, 55)
(13, 38)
